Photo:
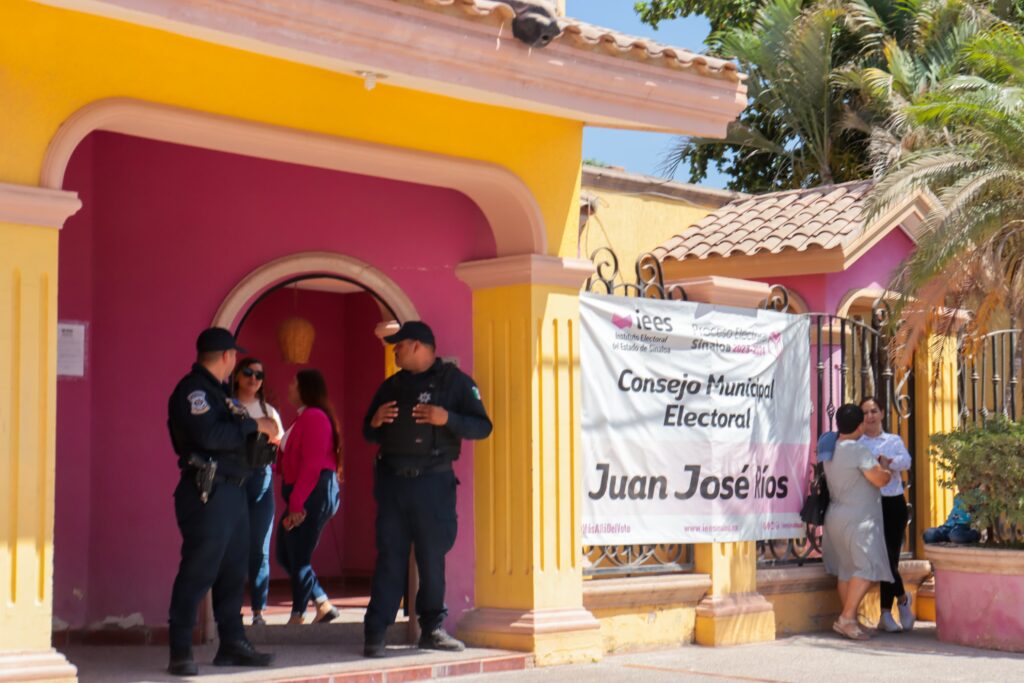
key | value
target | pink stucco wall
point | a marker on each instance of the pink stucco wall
(824, 292)
(165, 234)
(980, 610)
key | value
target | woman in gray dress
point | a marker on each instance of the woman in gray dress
(853, 543)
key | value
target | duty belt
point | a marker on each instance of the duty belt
(413, 472)
(218, 478)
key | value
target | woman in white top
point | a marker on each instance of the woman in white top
(891, 454)
(247, 388)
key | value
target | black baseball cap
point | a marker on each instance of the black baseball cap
(417, 330)
(216, 339)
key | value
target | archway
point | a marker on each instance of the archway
(505, 200)
(343, 313)
(304, 266)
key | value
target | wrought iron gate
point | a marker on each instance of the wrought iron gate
(988, 377)
(849, 362)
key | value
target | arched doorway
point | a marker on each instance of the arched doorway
(343, 313)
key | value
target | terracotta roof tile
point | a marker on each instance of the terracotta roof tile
(824, 217)
(583, 36)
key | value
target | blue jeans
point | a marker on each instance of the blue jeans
(295, 548)
(960, 534)
(260, 493)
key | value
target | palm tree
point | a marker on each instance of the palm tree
(907, 48)
(825, 80)
(969, 130)
(789, 54)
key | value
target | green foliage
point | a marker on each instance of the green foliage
(719, 13)
(791, 135)
(826, 80)
(986, 465)
(967, 150)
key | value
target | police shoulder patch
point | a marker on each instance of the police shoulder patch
(198, 403)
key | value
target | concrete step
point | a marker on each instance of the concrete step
(346, 634)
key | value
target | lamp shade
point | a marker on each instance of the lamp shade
(295, 337)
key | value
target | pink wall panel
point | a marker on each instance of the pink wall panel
(166, 232)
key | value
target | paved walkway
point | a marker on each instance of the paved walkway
(817, 658)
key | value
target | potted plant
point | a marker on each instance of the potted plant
(979, 589)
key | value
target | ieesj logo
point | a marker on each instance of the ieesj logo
(648, 323)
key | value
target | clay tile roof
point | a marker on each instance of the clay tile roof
(820, 217)
(584, 36)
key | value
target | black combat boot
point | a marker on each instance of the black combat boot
(241, 653)
(182, 663)
(438, 639)
(373, 645)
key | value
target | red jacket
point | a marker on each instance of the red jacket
(307, 452)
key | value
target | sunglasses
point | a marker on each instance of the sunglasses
(249, 372)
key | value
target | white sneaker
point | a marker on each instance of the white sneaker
(888, 624)
(906, 614)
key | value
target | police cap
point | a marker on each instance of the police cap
(216, 339)
(417, 330)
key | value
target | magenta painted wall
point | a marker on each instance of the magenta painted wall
(824, 292)
(165, 234)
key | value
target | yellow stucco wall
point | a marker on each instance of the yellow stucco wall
(28, 313)
(631, 224)
(646, 627)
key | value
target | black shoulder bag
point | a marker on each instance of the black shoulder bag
(816, 503)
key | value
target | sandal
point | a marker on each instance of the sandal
(328, 616)
(849, 629)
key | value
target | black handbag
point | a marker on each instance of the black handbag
(816, 503)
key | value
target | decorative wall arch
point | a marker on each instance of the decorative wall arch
(505, 200)
(269, 275)
(863, 296)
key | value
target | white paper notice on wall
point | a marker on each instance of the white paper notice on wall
(70, 349)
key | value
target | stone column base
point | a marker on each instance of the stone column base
(735, 619)
(554, 636)
(38, 665)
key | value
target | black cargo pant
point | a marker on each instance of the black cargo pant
(214, 554)
(417, 511)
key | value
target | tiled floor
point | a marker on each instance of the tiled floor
(325, 653)
(294, 664)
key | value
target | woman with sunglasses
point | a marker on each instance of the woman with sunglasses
(309, 463)
(247, 388)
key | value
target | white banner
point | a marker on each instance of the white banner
(696, 421)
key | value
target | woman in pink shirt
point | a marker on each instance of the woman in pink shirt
(309, 464)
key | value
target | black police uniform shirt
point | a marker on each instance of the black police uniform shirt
(201, 413)
(406, 443)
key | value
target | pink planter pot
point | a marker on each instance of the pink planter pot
(979, 596)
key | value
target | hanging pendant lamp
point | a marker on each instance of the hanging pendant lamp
(295, 337)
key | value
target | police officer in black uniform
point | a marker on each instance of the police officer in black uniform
(210, 435)
(419, 416)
